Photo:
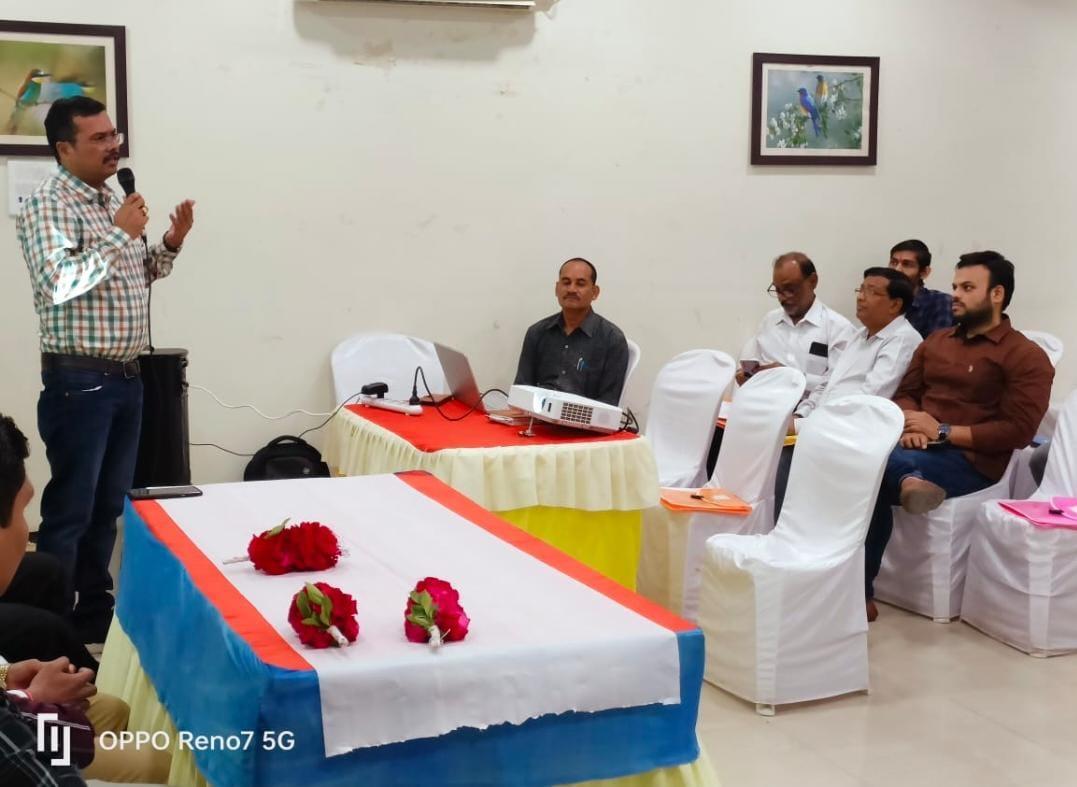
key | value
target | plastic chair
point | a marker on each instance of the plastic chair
(673, 541)
(783, 613)
(385, 357)
(1022, 579)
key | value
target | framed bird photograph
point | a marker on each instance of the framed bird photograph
(42, 62)
(814, 109)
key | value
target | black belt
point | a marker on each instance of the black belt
(90, 364)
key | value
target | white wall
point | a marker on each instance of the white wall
(365, 166)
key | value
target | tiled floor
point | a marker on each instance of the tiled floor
(948, 706)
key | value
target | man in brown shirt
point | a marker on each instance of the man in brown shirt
(971, 396)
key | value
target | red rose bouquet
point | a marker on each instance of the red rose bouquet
(323, 615)
(434, 614)
(308, 546)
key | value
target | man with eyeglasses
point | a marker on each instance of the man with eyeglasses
(802, 333)
(875, 359)
(90, 271)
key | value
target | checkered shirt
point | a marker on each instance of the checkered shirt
(90, 279)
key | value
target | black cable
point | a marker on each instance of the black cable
(419, 371)
(331, 416)
(219, 448)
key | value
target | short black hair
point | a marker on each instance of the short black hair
(13, 452)
(594, 273)
(807, 267)
(898, 285)
(1000, 268)
(919, 248)
(60, 121)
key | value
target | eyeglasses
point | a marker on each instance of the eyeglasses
(108, 140)
(870, 291)
(788, 291)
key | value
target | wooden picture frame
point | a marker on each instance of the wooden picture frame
(41, 62)
(814, 110)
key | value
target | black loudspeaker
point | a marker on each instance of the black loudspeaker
(164, 457)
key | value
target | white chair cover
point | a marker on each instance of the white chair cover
(672, 548)
(1049, 343)
(1022, 579)
(924, 565)
(684, 405)
(633, 362)
(783, 613)
(385, 357)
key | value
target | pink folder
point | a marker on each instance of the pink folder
(1038, 512)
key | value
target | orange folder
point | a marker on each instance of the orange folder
(716, 501)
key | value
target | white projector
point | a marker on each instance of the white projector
(566, 409)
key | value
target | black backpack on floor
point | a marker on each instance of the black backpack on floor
(286, 457)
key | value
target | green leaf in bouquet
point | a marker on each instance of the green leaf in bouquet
(316, 596)
(303, 604)
(277, 530)
(310, 621)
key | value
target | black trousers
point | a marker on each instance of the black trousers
(33, 615)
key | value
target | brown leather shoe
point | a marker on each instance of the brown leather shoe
(872, 610)
(919, 496)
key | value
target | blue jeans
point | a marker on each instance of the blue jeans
(946, 467)
(90, 422)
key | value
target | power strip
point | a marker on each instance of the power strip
(395, 405)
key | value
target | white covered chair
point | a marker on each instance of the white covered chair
(1024, 485)
(1049, 343)
(684, 405)
(923, 568)
(1022, 579)
(672, 548)
(783, 613)
(633, 362)
(385, 357)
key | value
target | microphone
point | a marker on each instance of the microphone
(126, 179)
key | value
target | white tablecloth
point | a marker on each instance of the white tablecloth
(540, 641)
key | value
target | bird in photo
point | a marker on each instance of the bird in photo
(822, 91)
(807, 107)
(39, 88)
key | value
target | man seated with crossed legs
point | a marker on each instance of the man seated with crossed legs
(972, 395)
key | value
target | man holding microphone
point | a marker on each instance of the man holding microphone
(90, 270)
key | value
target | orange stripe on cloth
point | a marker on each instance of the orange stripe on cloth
(459, 504)
(240, 615)
(430, 432)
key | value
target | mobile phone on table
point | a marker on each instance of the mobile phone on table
(163, 492)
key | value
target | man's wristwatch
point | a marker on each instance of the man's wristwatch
(944, 433)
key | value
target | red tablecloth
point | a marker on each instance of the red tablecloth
(430, 432)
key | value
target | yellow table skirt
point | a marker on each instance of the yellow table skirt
(121, 675)
(607, 541)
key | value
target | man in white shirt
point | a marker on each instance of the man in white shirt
(875, 359)
(803, 333)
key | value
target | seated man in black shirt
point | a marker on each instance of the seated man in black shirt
(575, 351)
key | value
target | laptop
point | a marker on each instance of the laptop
(459, 377)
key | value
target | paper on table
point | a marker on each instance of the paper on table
(1038, 512)
(22, 178)
(717, 501)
